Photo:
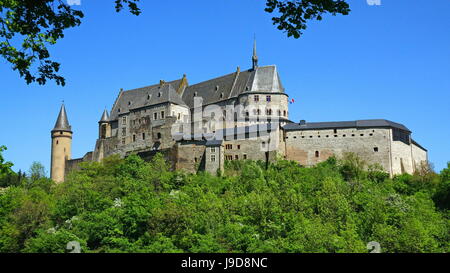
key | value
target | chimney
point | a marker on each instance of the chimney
(302, 122)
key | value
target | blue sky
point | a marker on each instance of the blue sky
(390, 61)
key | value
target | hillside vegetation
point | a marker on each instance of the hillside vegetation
(128, 205)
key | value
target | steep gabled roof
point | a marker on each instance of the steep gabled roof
(147, 96)
(262, 79)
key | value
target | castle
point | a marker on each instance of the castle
(240, 116)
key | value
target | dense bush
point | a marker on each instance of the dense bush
(128, 205)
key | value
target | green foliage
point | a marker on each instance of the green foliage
(29, 27)
(293, 15)
(5, 166)
(128, 205)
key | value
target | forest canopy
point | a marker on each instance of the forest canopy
(128, 205)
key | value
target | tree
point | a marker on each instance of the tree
(294, 14)
(29, 27)
(37, 171)
(5, 166)
(6, 173)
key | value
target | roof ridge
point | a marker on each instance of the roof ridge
(213, 79)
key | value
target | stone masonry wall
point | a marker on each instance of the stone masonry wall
(310, 147)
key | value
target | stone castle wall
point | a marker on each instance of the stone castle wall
(310, 147)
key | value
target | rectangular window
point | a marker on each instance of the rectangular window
(134, 138)
(229, 157)
(124, 120)
(179, 116)
(245, 156)
(239, 147)
(256, 98)
(123, 141)
(229, 146)
(143, 136)
(213, 149)
(268, 98)
(124, 131)
(155, 116)
(213, 158)
(236, 157)
(162, 114)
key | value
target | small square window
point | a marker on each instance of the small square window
(375, 149)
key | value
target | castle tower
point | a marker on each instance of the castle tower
(104, 126)
(61, 146)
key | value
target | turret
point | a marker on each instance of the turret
(61, 146)
(104, 126)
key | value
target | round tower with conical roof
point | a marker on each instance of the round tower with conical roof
(61, 146)
(104, 126)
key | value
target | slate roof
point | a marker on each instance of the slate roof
(418, 145)
(62, 123)
(146, 96)
(254, 130)
(371, 123)
(212, 143)
(263, 79)
(105, 116)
